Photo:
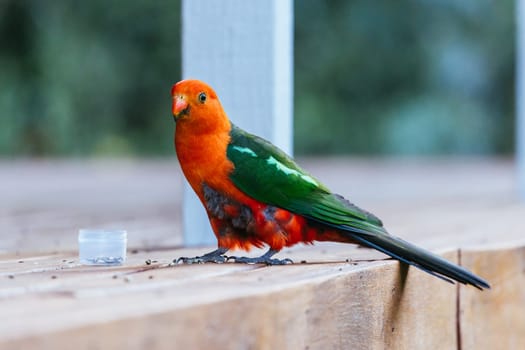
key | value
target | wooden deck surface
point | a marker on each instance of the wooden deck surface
(341, 297)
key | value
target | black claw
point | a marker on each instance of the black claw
(217, 259)
(260, 260)
(266, 258)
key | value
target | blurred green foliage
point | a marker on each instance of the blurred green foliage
(87, 77)
(83, 78)
(404, 77)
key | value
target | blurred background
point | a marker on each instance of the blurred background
(416, 77)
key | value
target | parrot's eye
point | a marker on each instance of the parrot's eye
(202, 97)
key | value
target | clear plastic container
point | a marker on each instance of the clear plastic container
(102, 247)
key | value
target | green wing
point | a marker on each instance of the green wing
(267, 174)
(264, 172)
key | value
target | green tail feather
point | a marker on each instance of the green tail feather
(423, 259)
(415, 256)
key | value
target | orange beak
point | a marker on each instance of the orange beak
(180, 106)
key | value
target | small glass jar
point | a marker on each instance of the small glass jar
(102, 247)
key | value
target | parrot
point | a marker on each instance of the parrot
(255, 195)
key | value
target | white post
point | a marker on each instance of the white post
(243, 49)
(520, 95)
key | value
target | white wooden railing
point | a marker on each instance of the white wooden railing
(244, 50)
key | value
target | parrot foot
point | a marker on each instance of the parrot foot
(263, 259)
(217, 257)
(259, 260)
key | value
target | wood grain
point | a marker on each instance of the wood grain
(317, 305)
(494, 319)
(343, 297)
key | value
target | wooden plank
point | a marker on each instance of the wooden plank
(494, 319)
(327, 305)
(370, 305)
(244, 50)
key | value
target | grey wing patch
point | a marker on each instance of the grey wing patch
(216, 203)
